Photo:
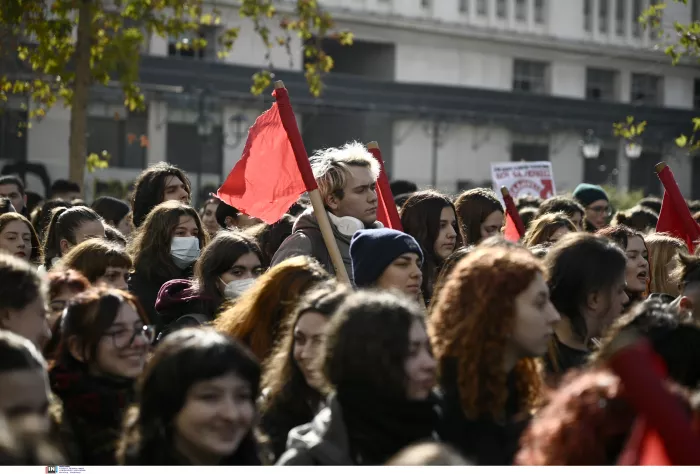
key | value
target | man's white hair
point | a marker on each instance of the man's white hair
(331, 166)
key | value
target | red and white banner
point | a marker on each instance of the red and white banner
(534, 178)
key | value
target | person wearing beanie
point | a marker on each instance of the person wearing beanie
(596, 203)
(386, 259)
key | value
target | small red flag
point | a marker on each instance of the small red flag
(267, 179)
(386, 207)
(675, 217)
(514, 229)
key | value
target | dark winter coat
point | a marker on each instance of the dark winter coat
(306, 239)
(93, 408)
(147, 289)
(180, 304)
(484, 441)
(353, 430)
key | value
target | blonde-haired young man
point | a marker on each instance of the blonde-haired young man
(346, 178)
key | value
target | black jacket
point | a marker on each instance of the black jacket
(146, 290)
(484, 441)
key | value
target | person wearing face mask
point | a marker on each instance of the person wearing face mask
(347, 181)
(105, 340)
(227, 267)
(379, 372)
(165, 247)
(387, 259)
(291, 378)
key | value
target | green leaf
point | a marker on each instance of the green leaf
(682, 141)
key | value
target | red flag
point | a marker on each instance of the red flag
(386, 207)
(675, 217)
(514, 225)
(269, 177)
(662, 434)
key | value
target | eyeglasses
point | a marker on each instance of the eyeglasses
(123, 338)
(607, 210)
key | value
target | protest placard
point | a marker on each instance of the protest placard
(533, 178)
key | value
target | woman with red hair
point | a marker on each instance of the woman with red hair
(492, 319)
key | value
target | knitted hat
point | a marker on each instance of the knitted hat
(587, 194)
(372, 250)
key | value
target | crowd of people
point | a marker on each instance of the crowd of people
(155, 333)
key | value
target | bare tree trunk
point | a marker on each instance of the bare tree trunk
(83, 76)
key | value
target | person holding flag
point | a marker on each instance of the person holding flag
(346, 178)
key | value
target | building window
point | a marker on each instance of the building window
(602, 170)
(529, 152)
(620, 22)
(464, 6)
(501, 9)
(520, 10)
(601, 85)
(121, 138)
(588, 15)
(603, 16)
(187, 150)
(696, 94)
(646, 89)
(482, 7)
(13, 135)
(636, 13)
(209, 33)
(530, 76)
(539, 12)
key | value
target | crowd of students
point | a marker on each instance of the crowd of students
(154, 333)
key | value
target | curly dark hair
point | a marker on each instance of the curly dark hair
(149, 189)
(183, 359)
(473, 207)
(471, 323)
(367, 343)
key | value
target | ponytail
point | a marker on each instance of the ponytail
(64, 222)
(52, 241)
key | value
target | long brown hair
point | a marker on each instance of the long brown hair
(471, 323)
(473, 207)
(420, 218)
(36, 255)
(662, 250)
(150, 246)
(256, 317)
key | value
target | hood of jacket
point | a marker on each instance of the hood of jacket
(176, 293)
(307, 221)
(325, 438)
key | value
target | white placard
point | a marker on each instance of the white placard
(534, 178)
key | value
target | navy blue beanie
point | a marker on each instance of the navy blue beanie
(372, 250)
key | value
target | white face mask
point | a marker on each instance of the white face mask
(184, 251)
(236, 288)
